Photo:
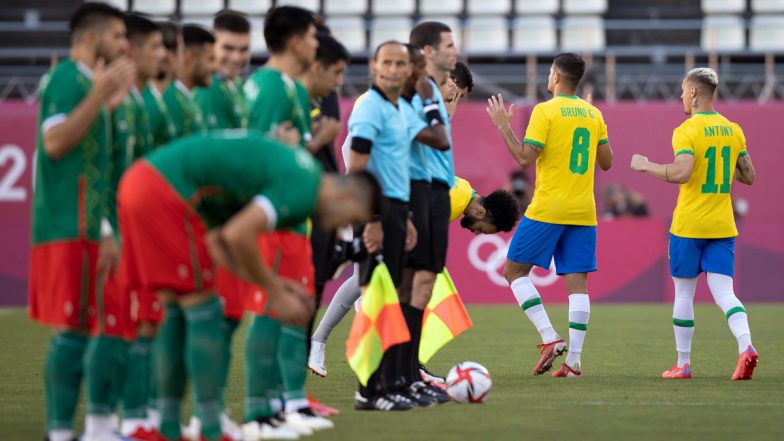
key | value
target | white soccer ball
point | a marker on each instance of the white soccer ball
(468, 382)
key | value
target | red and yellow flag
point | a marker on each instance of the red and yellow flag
(379, 324)
(445, 317)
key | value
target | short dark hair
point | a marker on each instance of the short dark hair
(196, 36)
(427, 34)
(330, 51)
(571, 67)
(369, 183)
(171, 35)
(284, 22)
(138, 26)
(384, 44)
(231, 21)
(92, 14)
(462, 76)
(502, 207)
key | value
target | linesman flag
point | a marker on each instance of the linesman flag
(445, 317)
(379, 324)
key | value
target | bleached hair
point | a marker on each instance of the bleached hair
(704, 76)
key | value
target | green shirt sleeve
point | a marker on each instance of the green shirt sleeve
(293, 204)
(273, 109)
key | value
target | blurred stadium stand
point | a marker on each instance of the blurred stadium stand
(637, 49)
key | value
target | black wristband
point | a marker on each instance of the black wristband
(433, 117)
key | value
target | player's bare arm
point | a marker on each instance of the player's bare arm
(325, 131)
(677, 172)
(744, 170)
(60, 139)
(604, 156)
(524, 153)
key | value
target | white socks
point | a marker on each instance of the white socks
(98, 426)
(683, 317)
(579, 312)
(341, 304)
(528, 298)
(61, 435)
(721, 288)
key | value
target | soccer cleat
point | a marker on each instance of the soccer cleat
(307, 418)
(386, 403)
(192, 432)
(267, 428)
(549, 353)
(108, 436)
(416, 394)
(230, 428)
(317, 362)
(678, 373)
(439, 395)
(747, 361)
(322, 409)
(145, 434)
(566, 371)
(429, 377)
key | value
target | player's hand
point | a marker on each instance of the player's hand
(373, 236)
(290, 301)
(287, 133)
(423, 87)
(588, 98)
(498, 113)
(326, 131)
(108, 258)
(451, 106)
(113, 81)
(639, 163)
(411, 235)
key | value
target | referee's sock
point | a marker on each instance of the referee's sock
(414, 317)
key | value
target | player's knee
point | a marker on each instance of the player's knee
(147, 329)
(720, 285)
(514, 270)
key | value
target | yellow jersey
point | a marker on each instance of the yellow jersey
(569, 131)
(704, 208)
(460, 195)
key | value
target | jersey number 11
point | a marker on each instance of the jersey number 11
(710, 185)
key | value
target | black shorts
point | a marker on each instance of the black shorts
(419, 206)
(440, 210)
(394, 226)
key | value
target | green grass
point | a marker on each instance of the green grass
(619, 397)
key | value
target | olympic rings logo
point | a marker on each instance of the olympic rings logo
(493, 264)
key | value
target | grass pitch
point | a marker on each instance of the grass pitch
(620, 395)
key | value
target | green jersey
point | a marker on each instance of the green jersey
(70, 192)
(184, 110)
(222, 103)
(274, 98)
(282, 180)
(161, 124)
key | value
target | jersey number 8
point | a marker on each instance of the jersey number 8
(581, 142)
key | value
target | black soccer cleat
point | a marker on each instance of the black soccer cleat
(385, 403)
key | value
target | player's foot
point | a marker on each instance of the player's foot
(386, 403)
(418, 395)
(145, 434)
(322, 409)
(549, 353)
(107, 436)
(307, 418)
(439, 395)
(567, 371)
(678, 373)
(317, 362)
(230, 428)
(429, 377)
(191, 432)
(267, 428)
(747, 361)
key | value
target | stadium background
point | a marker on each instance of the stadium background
(637, 52)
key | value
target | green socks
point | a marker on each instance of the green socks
(170, 375)
(229, 328)
(261, 347)
(137, 383)
(293, 361)
(204, 360)
(105, 365)
(63, 378)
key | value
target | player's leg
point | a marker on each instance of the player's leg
(575, 257)
(718, 260)
(341, 304)
(534, 244)
(170, 373)
(139, 383)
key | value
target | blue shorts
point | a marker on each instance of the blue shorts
(572, 246)
(689, 257)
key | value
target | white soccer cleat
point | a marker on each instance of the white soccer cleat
(230, 428)
(192, 432)
(305, 420)
(255, 431)
(317, 362)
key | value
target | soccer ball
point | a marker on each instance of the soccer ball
(468, 382)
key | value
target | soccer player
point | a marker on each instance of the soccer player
(168, 201)
(459, 84)
(709, 151)
(276, 355)
(198, 63)
(72, 247)
(161, 123)
(566, 137)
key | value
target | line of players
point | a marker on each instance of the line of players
(141, 194)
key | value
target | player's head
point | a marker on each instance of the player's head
(289, 29)
(348, 199)
(418, 67)
(566, 72)
(699, 85)
(495, 212)
(391, 66)
(172, 41)
(326, 72)
(436, 40)
(232, 42)
(460, 82)
(101, 28)
(199, 58)
(145, 46)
